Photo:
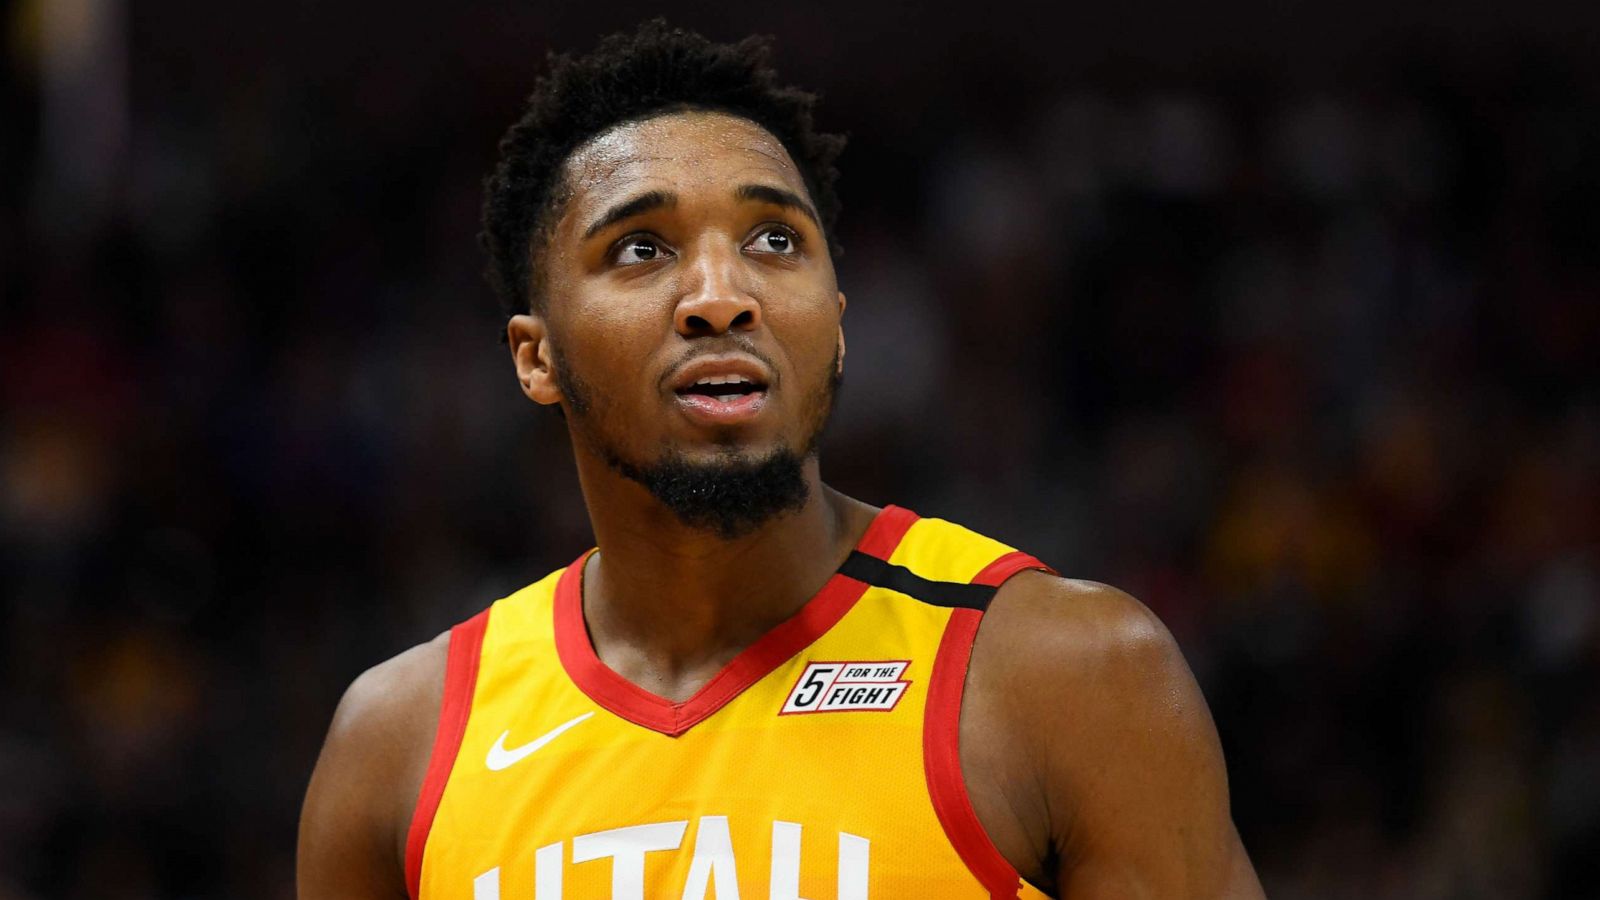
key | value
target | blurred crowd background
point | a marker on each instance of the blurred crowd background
(1286, 320)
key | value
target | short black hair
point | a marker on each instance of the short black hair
(630, 77)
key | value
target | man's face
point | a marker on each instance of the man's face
(686, 254)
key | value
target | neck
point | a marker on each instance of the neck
(668, 605)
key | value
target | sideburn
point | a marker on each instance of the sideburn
(575, 389)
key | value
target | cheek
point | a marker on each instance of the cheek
(612, 346)
(809, 333)
(617, 333)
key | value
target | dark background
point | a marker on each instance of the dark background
(1284, 318)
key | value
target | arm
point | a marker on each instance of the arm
(359, 804)
(1114, 775)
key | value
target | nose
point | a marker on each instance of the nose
(716, 299)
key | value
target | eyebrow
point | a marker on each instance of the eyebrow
(627, 209)
(654, 200)
(772, 196)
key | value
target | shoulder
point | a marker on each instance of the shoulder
(393, 697)
(362, 793)
(1086, 668)
(382, 732)
(1055, 627)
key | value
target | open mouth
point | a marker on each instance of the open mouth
(728, 389)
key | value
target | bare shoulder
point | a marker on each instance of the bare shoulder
(388, 704)
(1110, 767)
(1048, 627)
(359, 803)
(1061, 670)
(1082, 673)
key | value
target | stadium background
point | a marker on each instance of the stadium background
(1284, 318)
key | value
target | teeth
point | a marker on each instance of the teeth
(723, 379)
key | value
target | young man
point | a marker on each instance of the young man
(755, 687)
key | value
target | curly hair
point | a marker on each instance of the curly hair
(626, 78)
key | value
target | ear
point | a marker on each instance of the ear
(529, 339)
(841, 333)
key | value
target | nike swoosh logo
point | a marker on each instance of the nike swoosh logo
(500, 758)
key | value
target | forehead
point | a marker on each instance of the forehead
(680, 152)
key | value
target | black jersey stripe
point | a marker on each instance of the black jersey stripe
(874, 571)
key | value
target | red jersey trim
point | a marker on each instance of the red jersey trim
(941, 757)
(886, 531)
(460, 678)
(941, 739)
(997, 572)
(657, 713)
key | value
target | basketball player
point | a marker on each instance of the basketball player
(755, 687)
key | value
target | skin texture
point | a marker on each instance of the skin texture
(1089, 754)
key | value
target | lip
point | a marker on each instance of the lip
(705, 410)
(722, 364)
(711, 411)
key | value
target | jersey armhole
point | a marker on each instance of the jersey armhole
(460, 677)
(941, 739)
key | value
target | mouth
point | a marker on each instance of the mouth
(726, 392)
(723, 388)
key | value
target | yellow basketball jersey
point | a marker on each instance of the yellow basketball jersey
(820, 763)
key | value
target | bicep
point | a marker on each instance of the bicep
(1151, 818)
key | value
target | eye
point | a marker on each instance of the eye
(638, 248)
(774, 239)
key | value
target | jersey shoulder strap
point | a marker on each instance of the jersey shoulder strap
(942, 563)
(946, 564)
(460, 684)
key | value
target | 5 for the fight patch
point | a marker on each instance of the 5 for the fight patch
(846, 686)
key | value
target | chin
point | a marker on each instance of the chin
(728, 490)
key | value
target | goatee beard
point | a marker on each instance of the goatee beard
(730, 498)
